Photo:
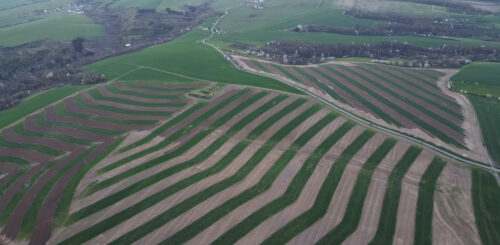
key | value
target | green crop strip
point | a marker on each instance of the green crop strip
(434, 85)
(16, 161)
(287, 73)
(11, 181)
(325, 88)
(98, 96)
(440, 97)
(172, 138)
(80, 102)
(388, 215)
(378, 112)
(41, 120)
(294, 189)
(115, 90)
(4, 216)
(140, 185)
(409, 102)
(39, 148)
(241, 174)
(261, 66)
(485, 197)
(354, 208)
(61, 111)
(21, 130)
(31, 215)
(63, 207)
(153, 88)
(410, 91)
(263, 185)
(164, 127)
(425, 202)
(429, 128)
(161, 195)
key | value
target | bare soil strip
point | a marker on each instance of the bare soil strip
(30, 124)
(337, 206)
(105, 92)
(11, 136)
(30, 155)
(437, 111)
(374, 198)
(431, 121)
(391, 112)
(394, 79)
(277, 189)
(78, 204)
(169, 202)
(147, 91)
(172, 86)
(88, 97)
(253, 178)
(8, 171)
(405, 224)
(453, 221)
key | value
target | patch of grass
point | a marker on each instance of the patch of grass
(425, 202)
(388, 215)
(483, 73)
(378, 112)
(98, 96)
(35, 103)
(426, 126)
(352, 215)
(409, 102)
(21, 130)
(16, 161)
(80, 102)
(206, 153)
(413, 93)
(63, 207)
(243, 172)
(40, 148)
(295, 187)
(175, 136)
(485, 197)
(325, 88)
(42, 121)
(488, 114)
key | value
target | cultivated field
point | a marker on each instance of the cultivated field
(409, 100)
(199, 163)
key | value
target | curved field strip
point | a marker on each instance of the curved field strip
(24, 130)
(387, 221)
(96, 94)
(241, 150)
(237, 126)
(414, 92)
(118, 96)
(25, 154)
(22, 163)
(148, 93)
(6, 143)
(420, 120)
(486, 196)
(55, 146)
(425, 202)
(172, 86)
(92, 102)
(118, 90)
(39, 124)
(351, 217)
(453, 221)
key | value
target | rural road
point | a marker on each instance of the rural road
(350, 115)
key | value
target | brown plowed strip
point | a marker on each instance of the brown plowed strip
(426, 118)
(391, 112)
(405, 224)
(417, 73)
(172, 86)
(400, 82)
(43, 225)
(453, 221)
(374, 198)
(225, 95)
(9, 171)
(436, 110)
(72, 107)
(346, 96)
(276, 190)
(176, 198)
(422, 84)
(88, 97)
(194, 151)
(53, 117)
(105, 92)
(11, 136)
(30, 124)
(336, 208)
(252, 179)
(147, 91)
(32, 156)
